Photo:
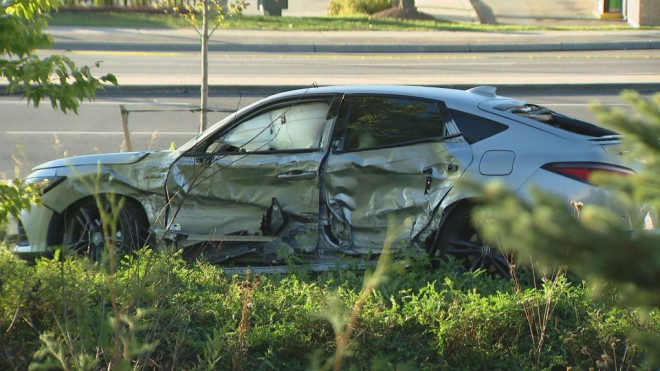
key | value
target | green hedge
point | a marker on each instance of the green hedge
(352, 7)
(191, 316)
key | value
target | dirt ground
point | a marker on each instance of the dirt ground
(403, 14)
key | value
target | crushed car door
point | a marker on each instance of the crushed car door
(256, 180)
(393, 159)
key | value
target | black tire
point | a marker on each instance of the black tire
(461, 240)
(84, 230)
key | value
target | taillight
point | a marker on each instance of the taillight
(582, 171)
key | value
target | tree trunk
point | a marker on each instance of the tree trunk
(403, 4)
(205, 65)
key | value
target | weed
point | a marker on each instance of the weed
(539, 306)
(246, 288)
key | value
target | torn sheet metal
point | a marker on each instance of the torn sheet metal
(233, 194)
(137, 175)
(365, 188)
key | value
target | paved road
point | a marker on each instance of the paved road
(315, 53)
(153, 70)
(123, 39)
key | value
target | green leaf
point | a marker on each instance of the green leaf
(55, 77)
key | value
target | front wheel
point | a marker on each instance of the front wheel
(460, 239)
(84, 231)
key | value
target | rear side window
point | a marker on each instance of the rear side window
(475, 128)
(390, 121)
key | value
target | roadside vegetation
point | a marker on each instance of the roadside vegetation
(346, 23)
(160, 312)
(353, 22)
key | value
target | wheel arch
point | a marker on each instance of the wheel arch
(56, 226)
(458, 237)
(431, 241)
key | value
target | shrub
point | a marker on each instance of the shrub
(352, 7)
(61, 313)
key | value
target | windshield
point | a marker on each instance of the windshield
(201, 136)
(208, 132)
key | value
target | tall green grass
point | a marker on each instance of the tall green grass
(58, 313)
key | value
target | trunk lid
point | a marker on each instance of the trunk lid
(611, 144)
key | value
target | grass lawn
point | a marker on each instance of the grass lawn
(330, 23)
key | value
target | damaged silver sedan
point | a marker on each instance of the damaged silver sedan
(319, 174)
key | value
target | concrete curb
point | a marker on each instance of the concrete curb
(358, 47)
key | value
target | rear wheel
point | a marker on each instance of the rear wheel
(461, 240)
(84, 231)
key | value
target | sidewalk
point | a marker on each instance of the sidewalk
(536, 13)
(521, 12)
(449, 10)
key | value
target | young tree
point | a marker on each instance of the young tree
(21, 32)
(590, 241)
(212, 11)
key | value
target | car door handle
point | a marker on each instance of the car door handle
(297, 174)
(429, 178)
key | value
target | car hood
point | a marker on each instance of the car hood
(123, 158)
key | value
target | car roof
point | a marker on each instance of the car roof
(481, 100)
(450, 96)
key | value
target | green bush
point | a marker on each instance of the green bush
(352, 7)
(160, 312)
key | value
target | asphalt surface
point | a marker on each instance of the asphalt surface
(562, 12)
(357, 42)
(122, 39)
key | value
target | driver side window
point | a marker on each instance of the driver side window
(294, 126)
